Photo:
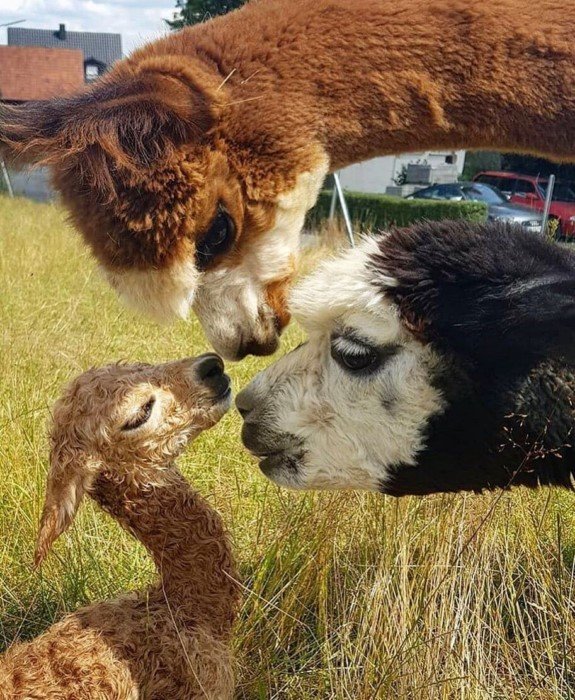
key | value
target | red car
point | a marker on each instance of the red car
(530, 191)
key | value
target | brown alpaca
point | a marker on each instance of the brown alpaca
(190, 166)
(116, 433)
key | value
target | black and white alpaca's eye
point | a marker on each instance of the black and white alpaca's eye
(142, 415)
(217, 240)
(358, 361)
(357, 356)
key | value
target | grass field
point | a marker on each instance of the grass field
(348, 596)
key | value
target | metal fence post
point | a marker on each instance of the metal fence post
(6, 177)
(332, 204)
(344, 209)
(548, 197)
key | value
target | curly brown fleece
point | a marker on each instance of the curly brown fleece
(233, 111)
(171, 640)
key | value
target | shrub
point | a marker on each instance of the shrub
(552, 229)
(375, 211)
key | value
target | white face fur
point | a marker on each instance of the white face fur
(318, 417)
(229, 301)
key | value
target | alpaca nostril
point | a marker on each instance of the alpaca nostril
(244, 403)
(257, 348)
(209, 367)
(243, 411)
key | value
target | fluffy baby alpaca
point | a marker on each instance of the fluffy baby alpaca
(116, 433)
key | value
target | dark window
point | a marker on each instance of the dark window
(427, 193)
(449, 192)
(562, 192)
(478, 192)
(505, 185)
(488, 179)
(524, 187)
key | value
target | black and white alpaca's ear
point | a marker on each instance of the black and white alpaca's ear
(66, 485)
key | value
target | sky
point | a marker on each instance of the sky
(138, 21)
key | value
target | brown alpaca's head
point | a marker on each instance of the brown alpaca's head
(131, 421)
(178, 208)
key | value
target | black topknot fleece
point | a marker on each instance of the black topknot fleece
(488, 292)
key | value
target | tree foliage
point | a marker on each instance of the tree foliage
(531, 165)
(476, 161)
(194, 11)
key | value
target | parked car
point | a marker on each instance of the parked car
(498, 207)
(530, 191)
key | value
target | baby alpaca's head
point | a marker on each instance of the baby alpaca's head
(130, 419)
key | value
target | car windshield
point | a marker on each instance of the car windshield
(483, 193)
(562, 192)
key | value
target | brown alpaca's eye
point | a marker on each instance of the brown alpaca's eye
(142, 416)
(218, 239)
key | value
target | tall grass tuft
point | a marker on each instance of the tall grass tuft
(347, 596)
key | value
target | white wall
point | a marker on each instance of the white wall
(377, 174)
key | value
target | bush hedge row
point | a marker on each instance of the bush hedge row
(375, 211)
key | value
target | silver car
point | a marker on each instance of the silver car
(498, 208)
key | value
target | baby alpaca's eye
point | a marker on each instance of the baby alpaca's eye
(142, 415)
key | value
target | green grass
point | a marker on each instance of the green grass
(348, 596)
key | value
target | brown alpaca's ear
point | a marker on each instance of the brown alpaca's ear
(66, 485)
(134, 120)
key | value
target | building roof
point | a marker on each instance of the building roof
(36, 73)
(101, 47)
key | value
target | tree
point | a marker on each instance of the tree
(476, 161)
(195, 11)
(531, 165)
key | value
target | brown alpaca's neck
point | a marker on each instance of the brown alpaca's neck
(375, 77)
(186, 539)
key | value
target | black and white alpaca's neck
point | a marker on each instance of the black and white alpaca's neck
(496, 434)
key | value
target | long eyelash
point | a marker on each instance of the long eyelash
(349, 347)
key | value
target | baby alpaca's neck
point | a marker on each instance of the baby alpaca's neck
(186, 539)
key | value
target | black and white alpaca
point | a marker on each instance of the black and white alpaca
(437, 360)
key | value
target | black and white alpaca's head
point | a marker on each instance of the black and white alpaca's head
(426, 351)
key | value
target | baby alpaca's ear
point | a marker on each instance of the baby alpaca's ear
(67, 481)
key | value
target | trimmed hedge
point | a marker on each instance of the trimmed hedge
(377, 211)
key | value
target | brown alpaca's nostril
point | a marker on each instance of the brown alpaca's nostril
(257, 348)
(209, 367)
